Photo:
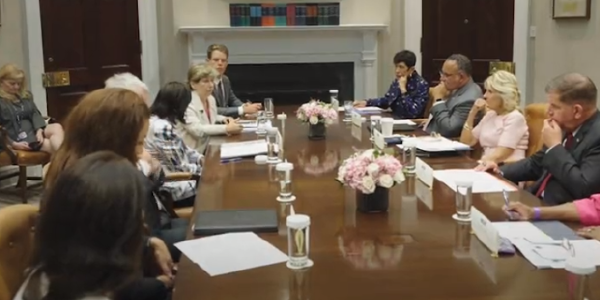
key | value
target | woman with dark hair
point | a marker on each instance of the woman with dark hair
(117, 120)
(168, 110)
(90, 236)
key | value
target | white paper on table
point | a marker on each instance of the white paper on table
(368, 108)
(520, 230)
(243, 149)
(438, 144)
(482, 182)
(231, 252)
(406, 122)
(546, 256)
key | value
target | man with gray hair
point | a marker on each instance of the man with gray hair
(454, 97)
(130, 82)
(566, 168)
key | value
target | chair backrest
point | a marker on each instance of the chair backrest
(535, 114)
(429, 104)
(17, 226)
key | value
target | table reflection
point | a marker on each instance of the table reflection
(316, 160)
(371, 251)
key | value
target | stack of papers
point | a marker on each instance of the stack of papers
(544, 252)
(243, 149)
(440, 144)
(252, 126)
(482, 182)
(405, 122)
(231, 252)
(369, 110)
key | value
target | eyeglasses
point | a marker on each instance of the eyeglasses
(566, 244)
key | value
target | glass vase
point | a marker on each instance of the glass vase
(317, 131)
(378, 201)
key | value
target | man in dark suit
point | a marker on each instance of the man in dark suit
(568, 166)
(228, 104)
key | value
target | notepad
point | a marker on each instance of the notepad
(482, 182)
(243, 149)
(225, 221)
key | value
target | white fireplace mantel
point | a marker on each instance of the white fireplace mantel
(296, 44)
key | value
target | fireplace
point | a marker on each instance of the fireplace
(292, 83)
(293, 63)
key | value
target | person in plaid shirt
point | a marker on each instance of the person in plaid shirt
(167, 147)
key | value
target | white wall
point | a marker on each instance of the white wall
(216, 13)
(563, 46)
(11, 33)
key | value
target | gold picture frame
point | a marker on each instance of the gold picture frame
(571, 9)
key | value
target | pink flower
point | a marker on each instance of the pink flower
(322, 111)
(353, 170)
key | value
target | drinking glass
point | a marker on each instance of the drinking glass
(464, 200)
(348, 106)
(261, 124)
(409, 155)
(269, 108)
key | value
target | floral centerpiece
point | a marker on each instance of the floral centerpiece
(318, 115)
(371, 173)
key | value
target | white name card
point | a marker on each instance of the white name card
(424, 172)
(356, 132)
(356, 119)
(378, 139)
(424, 193)
(485, 231)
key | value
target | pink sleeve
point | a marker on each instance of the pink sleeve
(589, 210)
(515, 127)
(476, 132)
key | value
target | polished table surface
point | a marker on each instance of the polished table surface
(414, 251)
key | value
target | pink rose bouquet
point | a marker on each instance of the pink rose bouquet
(366, 170)
(315, 112)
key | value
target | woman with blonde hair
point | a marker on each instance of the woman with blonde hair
(502, 133)
(201, 117)
(20, 117)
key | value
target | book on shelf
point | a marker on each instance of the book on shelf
(282, 14)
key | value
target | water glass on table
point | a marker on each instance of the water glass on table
(261, 123)
(348, 106)
(269, 109)
(464, 200)
(409, 155)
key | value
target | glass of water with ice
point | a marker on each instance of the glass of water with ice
(261, 123)
(348, 105)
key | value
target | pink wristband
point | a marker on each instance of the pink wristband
(536, 213)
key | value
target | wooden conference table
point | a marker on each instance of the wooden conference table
(414, 251)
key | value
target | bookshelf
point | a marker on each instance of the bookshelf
(241, 29)
(284, 14)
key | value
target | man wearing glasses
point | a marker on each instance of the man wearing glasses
(454, 97)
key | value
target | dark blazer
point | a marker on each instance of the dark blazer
(229, 105)
(575, 172)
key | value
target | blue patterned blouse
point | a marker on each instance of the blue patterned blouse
(410, 105)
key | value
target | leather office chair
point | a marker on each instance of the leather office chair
(17, 226)
(535, 114)
(22, 159)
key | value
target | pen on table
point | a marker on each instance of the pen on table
(505, 194)
(224, 161)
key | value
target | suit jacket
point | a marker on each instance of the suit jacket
(575, 172)
(228, 104)
(198, 128)
(448, 117)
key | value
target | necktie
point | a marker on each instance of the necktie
(568, 144)
(221, 91)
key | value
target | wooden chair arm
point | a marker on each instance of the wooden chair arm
(181, 176)
(5, 146)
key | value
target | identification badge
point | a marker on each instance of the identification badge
(22, 135)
